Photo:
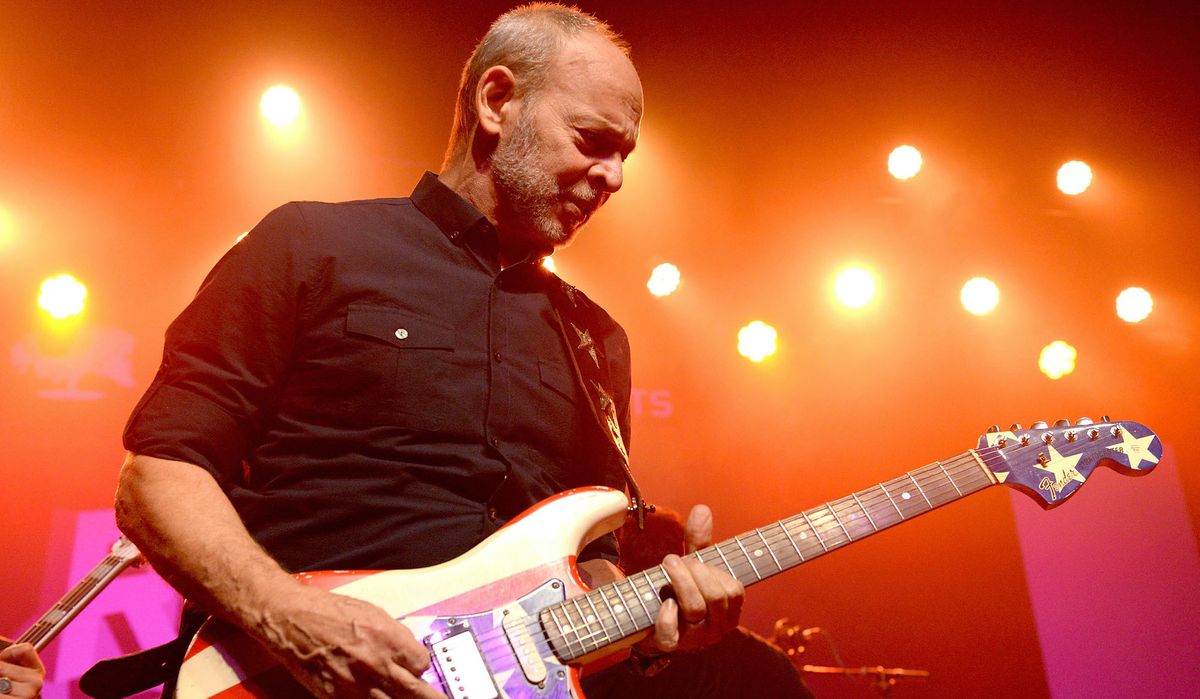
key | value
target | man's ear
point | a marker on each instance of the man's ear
(493, 98)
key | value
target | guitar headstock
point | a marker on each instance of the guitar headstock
(1051, 462)
(125, 550)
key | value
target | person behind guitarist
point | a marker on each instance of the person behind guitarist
(382, 384)
(21, 671)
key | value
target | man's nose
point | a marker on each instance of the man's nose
(607, 174)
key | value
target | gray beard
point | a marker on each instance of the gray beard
(525, 194)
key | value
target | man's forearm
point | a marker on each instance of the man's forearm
(187, 529)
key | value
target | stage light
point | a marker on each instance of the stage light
(1134, 304)
(548, 263)
(280, 105)
(905, 162)
(980, 296)
(756, 341)
(1074, 177)
(62, 296)
(1057, 359)
(664, 280)
(854, 287)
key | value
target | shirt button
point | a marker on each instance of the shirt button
(496, 356)
(491, 514)
(401, 333)
(494, 442)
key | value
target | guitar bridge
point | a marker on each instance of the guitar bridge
(461, 664)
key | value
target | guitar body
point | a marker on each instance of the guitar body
(477, 613)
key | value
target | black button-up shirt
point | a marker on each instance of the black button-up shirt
(372, 390)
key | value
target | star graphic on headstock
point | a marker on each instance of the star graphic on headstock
(1063, 467)
(1134, 449)
(585, 343)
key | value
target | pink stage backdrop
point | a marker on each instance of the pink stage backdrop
(1114, 577)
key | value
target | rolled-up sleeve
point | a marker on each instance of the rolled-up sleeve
(225, 354)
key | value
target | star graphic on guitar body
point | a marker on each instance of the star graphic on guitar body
(1134, 449)
(1063, 467)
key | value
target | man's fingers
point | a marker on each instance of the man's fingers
(666, 626)
(412, 656)
(692, 606)
(699, 528)
(22, 654)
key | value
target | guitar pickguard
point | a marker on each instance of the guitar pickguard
(500, 653)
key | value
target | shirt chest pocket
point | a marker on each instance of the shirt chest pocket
(404, 360)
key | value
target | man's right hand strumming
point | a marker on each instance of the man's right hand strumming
(338, 646)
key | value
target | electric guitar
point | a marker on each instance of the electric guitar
(122, 555)
(511, 618)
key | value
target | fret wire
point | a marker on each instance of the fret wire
(615, 591)
(847, 504)
(611, 611)
(574, 625)
(768, 545)
(815, 532)
(839, 521)
(868, 514)
(561, 632)
(829, 529)
(599, 620)
(788, 534)
(892, 500)
(884, 511)
(950, 479)
(725, 560)
(582, 621)
(914, 480)
(753, 568)
(638, 596)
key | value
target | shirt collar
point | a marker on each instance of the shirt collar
(455, 216)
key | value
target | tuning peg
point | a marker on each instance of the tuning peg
(994, 428)
(1039, 425)
(1085, 421)
(1103, 418)
(1062, 423)
(1014, 427)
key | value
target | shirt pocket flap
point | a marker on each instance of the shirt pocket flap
(557, 377)
(398, 327)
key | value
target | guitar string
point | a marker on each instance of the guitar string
(952, 470)
(604, 622)
(931, 474)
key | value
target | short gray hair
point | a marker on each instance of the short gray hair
(525, 40)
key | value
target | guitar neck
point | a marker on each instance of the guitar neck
(52, 622)
(584, 625)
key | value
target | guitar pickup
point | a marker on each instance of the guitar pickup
(528, 657)
(459, 661)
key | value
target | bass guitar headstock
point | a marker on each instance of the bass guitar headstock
(1051, 462)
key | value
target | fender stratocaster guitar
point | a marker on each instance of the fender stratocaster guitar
(511, 617)
(122, 555)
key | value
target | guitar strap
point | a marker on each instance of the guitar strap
(574, 313)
